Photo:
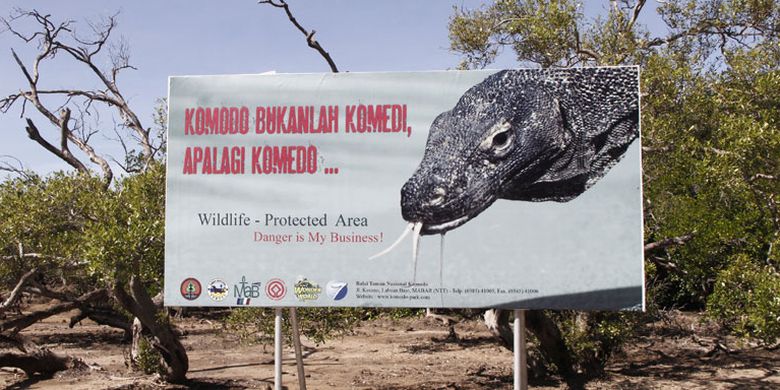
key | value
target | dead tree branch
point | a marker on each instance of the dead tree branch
(52, 39)
(16, 325)
(655, 149)
(15, 341)
(583, 50)
(313, 43)
(16, 293)
(763, 176)
(667, 242)
(635, 14)
(34, 134)
(16, 168)
(41, 361)
(103, 316)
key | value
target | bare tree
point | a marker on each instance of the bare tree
(59, 105)
(68, 112)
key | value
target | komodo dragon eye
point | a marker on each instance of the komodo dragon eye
(499, 138)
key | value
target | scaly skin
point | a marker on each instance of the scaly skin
(532, 135)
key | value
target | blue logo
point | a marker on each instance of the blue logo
(336, 290)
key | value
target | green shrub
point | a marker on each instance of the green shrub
(747, 299)
(593, 337)
(256, 325)
(148, 360)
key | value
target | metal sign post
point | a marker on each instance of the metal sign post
(278, 349)
(521, 360)
(296, 336)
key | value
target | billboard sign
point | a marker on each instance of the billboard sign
(513, 188)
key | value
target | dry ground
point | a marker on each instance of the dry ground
(404, 354)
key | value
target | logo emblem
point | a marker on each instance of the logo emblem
(307, 290)
(190, 289)
(336, 290)
(275, 289)
(218, 289)
(244, 291)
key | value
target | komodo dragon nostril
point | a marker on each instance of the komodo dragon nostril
(438, 197)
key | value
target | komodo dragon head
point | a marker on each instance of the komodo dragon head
(532, 135)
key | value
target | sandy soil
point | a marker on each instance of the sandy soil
(403, 354)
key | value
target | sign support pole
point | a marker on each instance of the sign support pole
(278, 349)
(296, 336)
(520, 368)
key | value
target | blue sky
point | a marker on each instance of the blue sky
(224, 37)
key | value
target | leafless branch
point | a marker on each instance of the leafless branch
(17, 168)
(15, 325)
(103, 316)
(737, 33)
(64, 119)
(16, 293)
(126, 166)
(719, 152)
(679, 240)
(90, 96)
(635, 14)
(24, 69)
(84, 50)
(308, 34)
(654, 149)
(582, 50)
(120, 58)
(763, 176)
(34, 134)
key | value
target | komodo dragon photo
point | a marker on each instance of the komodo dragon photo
(528, 134)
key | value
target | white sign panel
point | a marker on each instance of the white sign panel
(513, 188)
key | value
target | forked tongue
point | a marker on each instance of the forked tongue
(415, 228)
(416, 247)
(392, 246)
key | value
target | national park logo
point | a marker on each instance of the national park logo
(190, 289)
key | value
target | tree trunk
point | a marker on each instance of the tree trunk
(41, 361)
(497, 322)
(135, 350)
(553, 347)
(551, 343)
(164, 339)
